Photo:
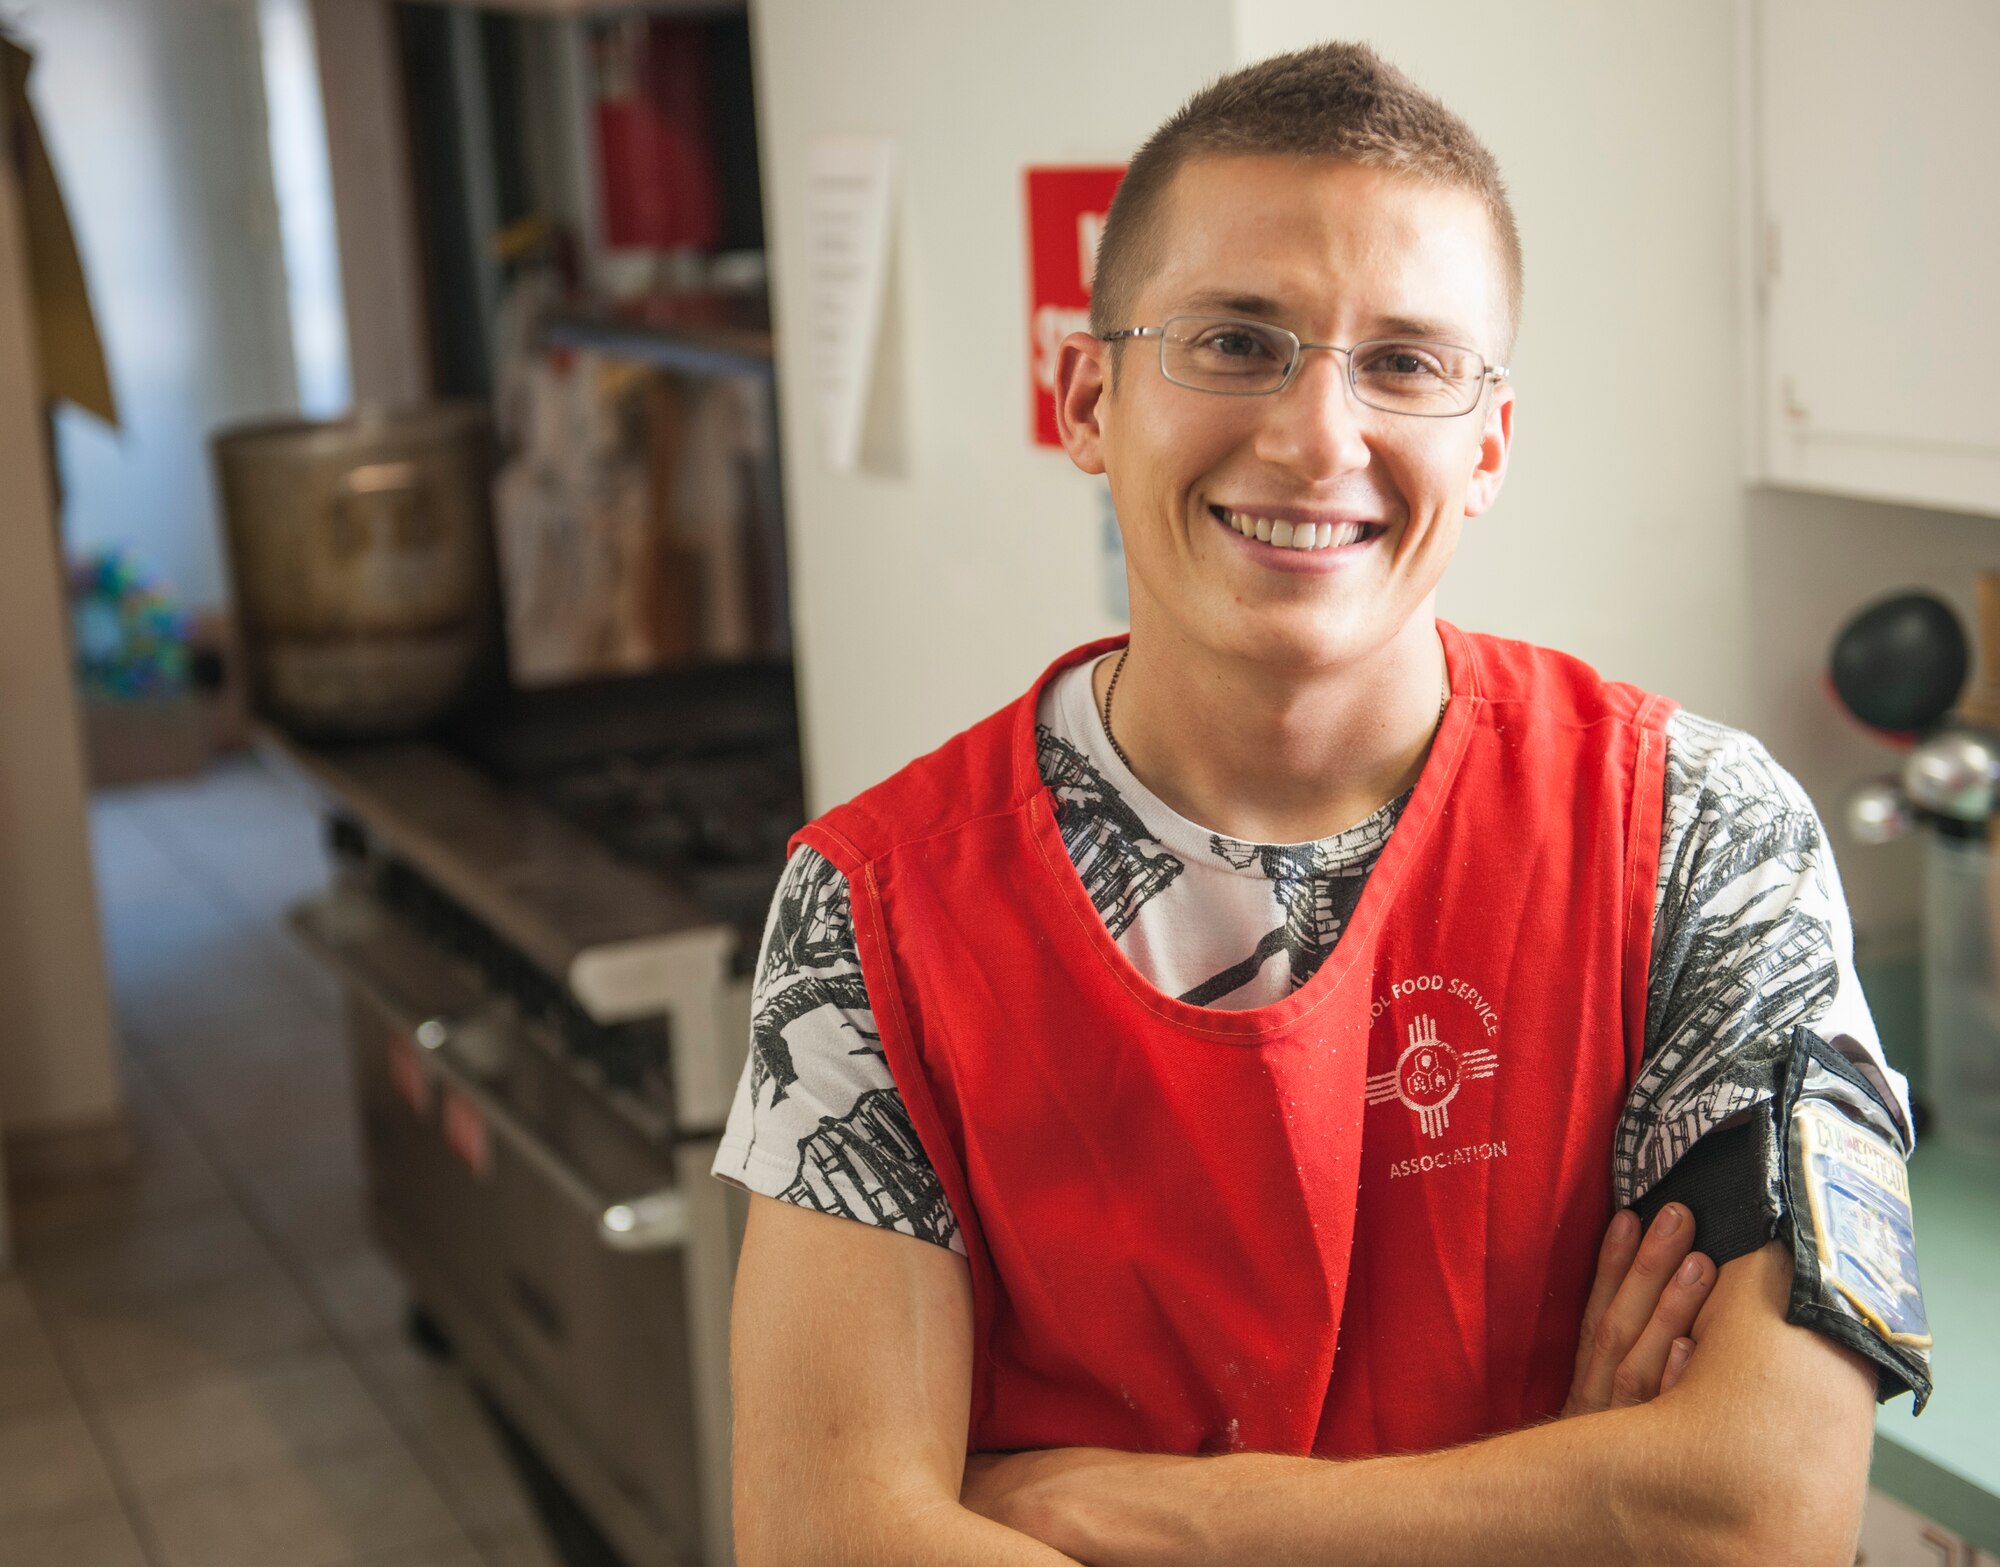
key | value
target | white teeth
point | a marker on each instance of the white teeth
(1297, 536)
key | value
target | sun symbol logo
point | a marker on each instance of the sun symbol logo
(1428, 1075)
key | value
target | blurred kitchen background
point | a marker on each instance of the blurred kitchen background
(473, 478)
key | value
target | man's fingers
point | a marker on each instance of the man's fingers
(1677, 1359)
(1666, 1244)
(1614, 1261)
(1641, 1376)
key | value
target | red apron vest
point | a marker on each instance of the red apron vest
(1360, 1220)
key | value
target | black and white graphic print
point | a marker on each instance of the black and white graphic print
(812, 923)
(869, 1165)
(809, 963)
(1317, 886)
(817, 1119)
(1744, 945)
(1122, 865)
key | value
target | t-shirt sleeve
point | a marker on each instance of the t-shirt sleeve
(817, 1119)
(1752, 961)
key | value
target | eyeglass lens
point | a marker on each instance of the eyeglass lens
(1245, 358)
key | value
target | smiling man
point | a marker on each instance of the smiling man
(1240, 1051)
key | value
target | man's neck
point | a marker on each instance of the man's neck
(1276, 757)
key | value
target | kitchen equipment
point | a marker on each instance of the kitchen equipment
(565, 1235)
(1961, 1005)
(1954, 773)
(544, 920)
(1900, 664)
(362, 555)
(1880, 812)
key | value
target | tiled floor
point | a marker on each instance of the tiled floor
(204, 1364)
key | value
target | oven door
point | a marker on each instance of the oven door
(581, 1266)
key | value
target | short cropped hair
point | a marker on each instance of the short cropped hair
(1340, 101)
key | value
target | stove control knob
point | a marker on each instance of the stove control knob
(483, 1045)
(433, 1033)
(656, 1222)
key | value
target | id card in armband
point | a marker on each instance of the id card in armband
(1859, 1193)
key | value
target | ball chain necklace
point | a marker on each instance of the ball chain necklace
(1117, 669)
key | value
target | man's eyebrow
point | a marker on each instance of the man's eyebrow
(1262, 307)
(1419, 326)
(1232, 304)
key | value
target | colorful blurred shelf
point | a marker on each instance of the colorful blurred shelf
(695, 334)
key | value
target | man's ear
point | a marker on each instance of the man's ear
(1496, 438)
(1082, 385)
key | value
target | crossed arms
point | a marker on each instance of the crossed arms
(852, 1370)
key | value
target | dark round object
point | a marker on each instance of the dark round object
(1899, 665)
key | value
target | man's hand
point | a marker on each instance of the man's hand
(1634, 1343)
(1046, 1494)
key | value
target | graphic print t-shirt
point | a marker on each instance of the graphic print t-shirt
(1751, 939)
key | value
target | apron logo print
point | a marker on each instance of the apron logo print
(1428, 1075)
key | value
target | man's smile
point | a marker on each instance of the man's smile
(1296, 538)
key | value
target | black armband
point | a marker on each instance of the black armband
(1820, 1166)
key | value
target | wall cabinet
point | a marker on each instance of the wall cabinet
(1874, 233)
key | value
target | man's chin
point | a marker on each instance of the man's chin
(1292, 645)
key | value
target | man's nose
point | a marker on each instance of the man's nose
(1316, 426)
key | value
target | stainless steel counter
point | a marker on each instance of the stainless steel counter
(625, 943)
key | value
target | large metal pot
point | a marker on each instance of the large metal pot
(362, 550)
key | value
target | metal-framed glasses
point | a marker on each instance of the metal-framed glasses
(1237, 358)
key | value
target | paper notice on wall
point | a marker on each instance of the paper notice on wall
(849, 218)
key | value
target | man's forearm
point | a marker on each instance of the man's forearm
(949, 1536)
(885, 1531)
(1609, 1488)
(1760, 1453)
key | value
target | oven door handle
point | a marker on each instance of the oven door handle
(652, 1221)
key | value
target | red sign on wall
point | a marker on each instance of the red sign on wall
(1066, 209)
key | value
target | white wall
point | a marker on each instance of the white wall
(926, 595)
(153, 110)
